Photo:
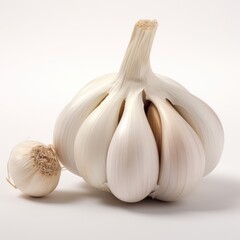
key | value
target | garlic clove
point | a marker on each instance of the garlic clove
(156, 126)
(93, 139)
(132, 160)
(182, 156)
(34, 168)
(199, 116)
(206, 124)
(74, 114)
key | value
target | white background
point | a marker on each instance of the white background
(49, 49)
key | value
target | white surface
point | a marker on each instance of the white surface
(50, 49)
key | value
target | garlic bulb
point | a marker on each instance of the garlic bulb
(34, 168)
(139, 134)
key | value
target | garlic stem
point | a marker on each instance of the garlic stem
(136, 63)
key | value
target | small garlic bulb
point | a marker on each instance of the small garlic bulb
(137, 133)
(34, 168)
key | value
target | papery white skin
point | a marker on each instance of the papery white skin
(182, 158)
(74, 114)
(25, 176)
(200, 117)
(97, 129)
(119, 153)
(132, 162)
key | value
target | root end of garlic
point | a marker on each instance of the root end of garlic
(46, 160)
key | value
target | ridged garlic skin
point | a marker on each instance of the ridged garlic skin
(74, 114)
(139, 134)
(132, 159)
